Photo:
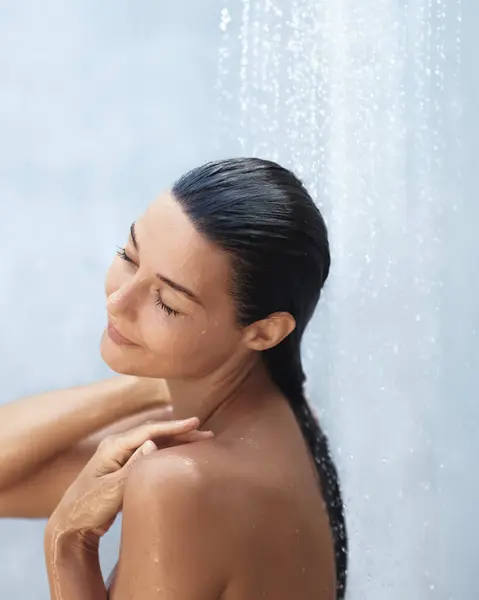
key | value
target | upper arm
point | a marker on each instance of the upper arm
(38, 496)
(172, 544)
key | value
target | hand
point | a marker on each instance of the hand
(90, 505)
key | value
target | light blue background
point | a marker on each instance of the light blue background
(103, 104)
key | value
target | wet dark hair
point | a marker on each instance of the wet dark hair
(262, 215)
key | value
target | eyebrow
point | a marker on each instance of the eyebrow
(133, 236)
(169, 282)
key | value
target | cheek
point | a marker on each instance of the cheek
(186, 349)
(212, 345)
(170, 338)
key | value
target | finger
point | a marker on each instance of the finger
(114, 488)
(133, 438)
(116, 450)
(147, 448)
(192, 436)
(174, 426)
(185, 438)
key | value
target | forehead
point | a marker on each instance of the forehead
(169, 242)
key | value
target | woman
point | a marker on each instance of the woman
(212, 293)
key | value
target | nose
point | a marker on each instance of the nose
(125, 300)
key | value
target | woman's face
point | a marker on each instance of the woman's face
(168, 297)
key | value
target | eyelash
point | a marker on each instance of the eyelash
(121, 252)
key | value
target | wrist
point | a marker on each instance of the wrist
(63, 542)
(73, 564)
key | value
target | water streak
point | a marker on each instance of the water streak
(362, 100)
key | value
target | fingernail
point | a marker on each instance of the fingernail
(148, 447)
(188, 420)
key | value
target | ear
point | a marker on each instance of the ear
(269, 332)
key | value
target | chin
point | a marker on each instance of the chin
(116, 357)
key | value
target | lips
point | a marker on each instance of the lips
(117, 337)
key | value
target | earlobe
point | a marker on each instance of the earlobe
(267, 333)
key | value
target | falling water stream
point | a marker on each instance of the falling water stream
(362, 100)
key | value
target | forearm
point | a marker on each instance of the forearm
(36, 429)
(73, 567)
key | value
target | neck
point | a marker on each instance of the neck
(209, 398)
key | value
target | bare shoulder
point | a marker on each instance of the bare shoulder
(214, 512)
(184, 482)
(176, 510)
(187, 466)
(213, 479)
(173, 533)
(201, 471)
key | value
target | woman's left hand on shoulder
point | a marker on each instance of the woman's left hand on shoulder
(91, 504)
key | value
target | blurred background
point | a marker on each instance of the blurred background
(374, 105)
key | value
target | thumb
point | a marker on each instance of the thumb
(119, 478)
(146, 448)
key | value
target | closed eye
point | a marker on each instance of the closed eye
(121, 252)
(168, 310)
(123, 255)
